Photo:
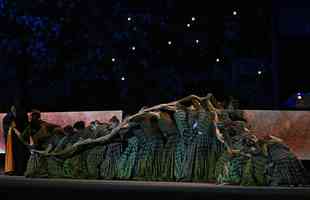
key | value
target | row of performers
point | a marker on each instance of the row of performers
(21, 136)
(186, 140)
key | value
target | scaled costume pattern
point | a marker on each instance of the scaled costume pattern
(191, 139)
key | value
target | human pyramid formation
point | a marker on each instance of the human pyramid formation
(187, 140)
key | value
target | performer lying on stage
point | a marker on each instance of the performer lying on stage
(187, 140)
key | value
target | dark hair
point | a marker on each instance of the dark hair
(68, 129)
(114, 119)
(36, 114)
(154, 120)
(80, 125)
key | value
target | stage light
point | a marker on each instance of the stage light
(217, 60)
(169, 42)
(298, 93)
(123, 78)
(188, 25)
(193, 18)
(113, 59)
(197, 41)
(299, 97)
(235, 13)
(133, 48)
(129, 18)
(259, 72)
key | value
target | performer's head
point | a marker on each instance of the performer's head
(68, 130)
(78, 126)
(93, 125)
(13, 110)
(114, 121)
(35, 115)
(35, 119)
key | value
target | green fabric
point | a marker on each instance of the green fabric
(26, 134)
(127, 161)
(149, 155)
(94, 158)
(247, 178)
(55, 167)
(260, 163)
(187, 149)
(110, 158)
(36, 166)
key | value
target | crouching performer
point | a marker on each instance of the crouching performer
(250, 161)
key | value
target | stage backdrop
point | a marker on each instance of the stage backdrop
(292, 126)
(68, 118)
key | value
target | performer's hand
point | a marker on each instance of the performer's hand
(16, 132)
(13, 124)
(167, 107)
(214, 117)
(187, 101)
(32, 146)
(196, 104)
(219, 135)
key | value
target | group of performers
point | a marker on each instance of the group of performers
(191, 139)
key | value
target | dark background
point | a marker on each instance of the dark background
(56, 55)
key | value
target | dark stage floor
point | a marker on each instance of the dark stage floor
(12, 187)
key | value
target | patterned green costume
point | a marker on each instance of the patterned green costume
(108, 161)
(258, 162)
(198, 149)
(128, 159)
(169, 130)
(36, 166)
(187, 140)
(284, 168)
(184, 148)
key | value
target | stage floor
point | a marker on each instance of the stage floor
(12, 186)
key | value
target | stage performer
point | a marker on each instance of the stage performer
(9, 167)
(7, 121)
(17, 153)
(38, 131)
(252, 161)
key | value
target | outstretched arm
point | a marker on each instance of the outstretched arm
(221, 136)
(124, 124)
(19, 134)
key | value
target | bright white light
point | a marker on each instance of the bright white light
(259, 72)
(123, 78)
(235, 13)
(193, 18)
(133, 48)
(129, 18)
(188, 25)
(113, 59)
(197, 41)
(299, 97)
(169, 42)
(217, 60)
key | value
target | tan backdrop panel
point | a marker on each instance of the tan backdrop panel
(68, 118)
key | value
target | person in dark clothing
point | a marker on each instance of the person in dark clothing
(21, 152)
(33, 127)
